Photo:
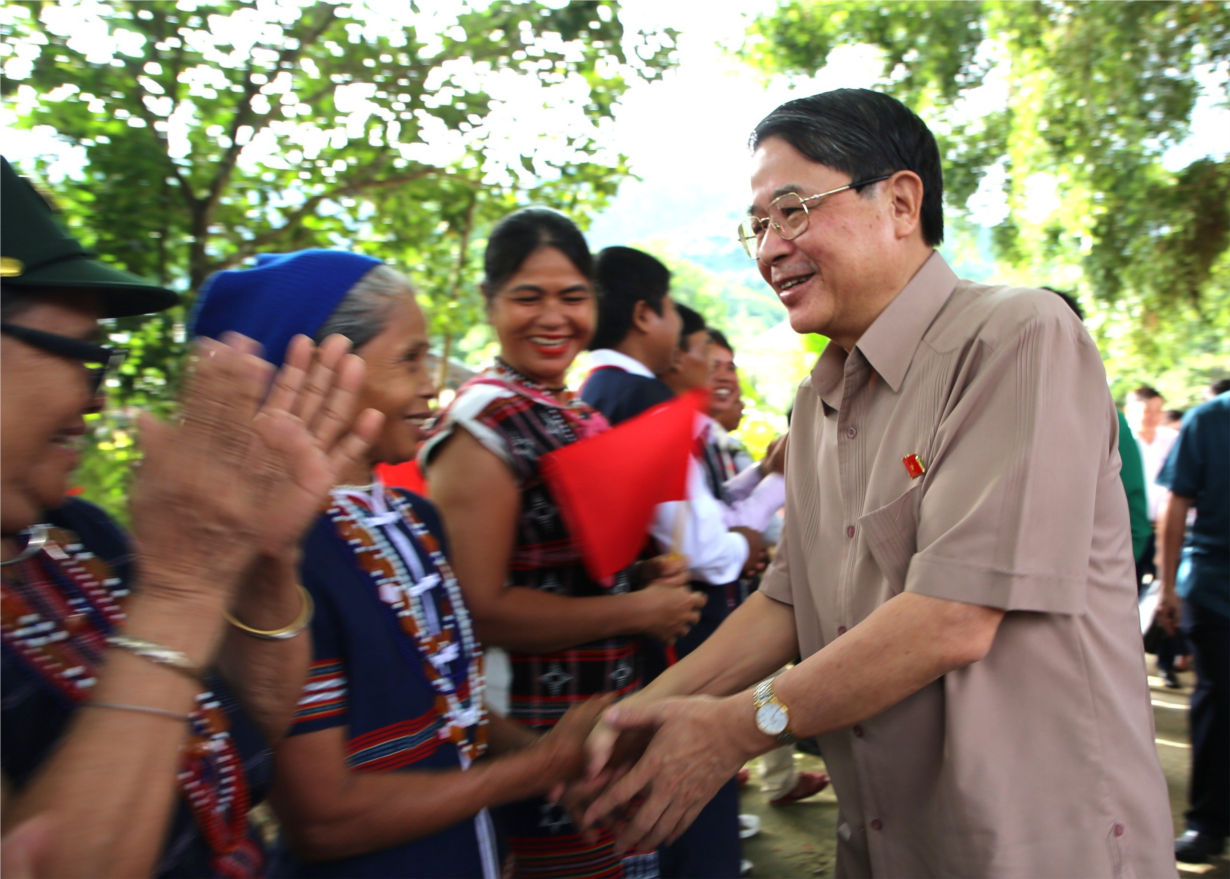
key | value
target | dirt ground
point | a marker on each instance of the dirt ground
(798, 840)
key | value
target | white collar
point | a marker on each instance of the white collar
(610, 357)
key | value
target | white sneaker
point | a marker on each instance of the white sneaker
(749, 826)
(745, 867)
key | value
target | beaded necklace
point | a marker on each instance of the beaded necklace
(60, 633)
(56, 610)
(212, 778)
(429, 608)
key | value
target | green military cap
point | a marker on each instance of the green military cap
(36, 254)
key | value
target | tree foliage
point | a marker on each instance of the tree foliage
(209, 132)
(1077, 107)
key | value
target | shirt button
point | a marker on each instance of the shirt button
(841, 630)
(877, 824)
(858, 731)
(849, 531)
(1118, 830)
(852, 432)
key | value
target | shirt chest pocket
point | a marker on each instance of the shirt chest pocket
(891, 533)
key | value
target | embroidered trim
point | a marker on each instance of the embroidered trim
(324, 693)
(56, 610)
(395, 746)
(429, 608)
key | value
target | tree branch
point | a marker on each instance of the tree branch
(147, 115)
(367, 184)
(134, 72)
(244, 113)
(463, 252)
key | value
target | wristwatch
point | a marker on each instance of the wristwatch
(771, 714)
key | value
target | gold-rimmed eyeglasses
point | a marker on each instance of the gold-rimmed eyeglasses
(788, 216)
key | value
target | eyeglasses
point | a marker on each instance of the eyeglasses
(788, 216)
(98, 359)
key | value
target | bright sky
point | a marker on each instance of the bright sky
(689, 132)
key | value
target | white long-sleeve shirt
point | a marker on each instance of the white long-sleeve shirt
(760, 499)
(1153, 457)
(752, 499)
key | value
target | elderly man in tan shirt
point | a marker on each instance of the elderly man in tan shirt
(956, 567)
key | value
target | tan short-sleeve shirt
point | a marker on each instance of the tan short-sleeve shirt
(1038, 760)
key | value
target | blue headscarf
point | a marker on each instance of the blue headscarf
(284, 295)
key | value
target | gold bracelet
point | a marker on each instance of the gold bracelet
(172, 659)
(301, 622)
(162, 712)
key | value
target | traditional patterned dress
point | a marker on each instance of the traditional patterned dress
(519, 422)
(396, 664)
(58, 607)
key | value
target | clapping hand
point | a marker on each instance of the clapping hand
(305, 437)
(692, 752)
(194, 505)
(242, 472)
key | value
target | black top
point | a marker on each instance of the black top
(620, 395)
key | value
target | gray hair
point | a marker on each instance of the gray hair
(363, 311)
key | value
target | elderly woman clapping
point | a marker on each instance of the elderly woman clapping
(381, 775)
(160, 773)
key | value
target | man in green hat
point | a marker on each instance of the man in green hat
(40, 258)
(54, 294)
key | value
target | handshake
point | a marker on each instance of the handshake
(646, 767)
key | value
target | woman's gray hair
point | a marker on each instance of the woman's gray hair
(364, 310)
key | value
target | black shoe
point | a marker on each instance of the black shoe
(1171, 678)
(1194, 847)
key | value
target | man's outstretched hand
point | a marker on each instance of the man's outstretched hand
(609, 754)
(697, 744)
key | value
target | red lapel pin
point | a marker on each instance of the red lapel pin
(913, 465)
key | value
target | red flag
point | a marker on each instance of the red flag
(608, 485)
(407, 475)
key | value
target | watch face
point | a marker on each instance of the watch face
(771, 719)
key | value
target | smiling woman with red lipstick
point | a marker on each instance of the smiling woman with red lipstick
(568, 637)
(545, 317)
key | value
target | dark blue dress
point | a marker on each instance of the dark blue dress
(367, 675)
(34, 712)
